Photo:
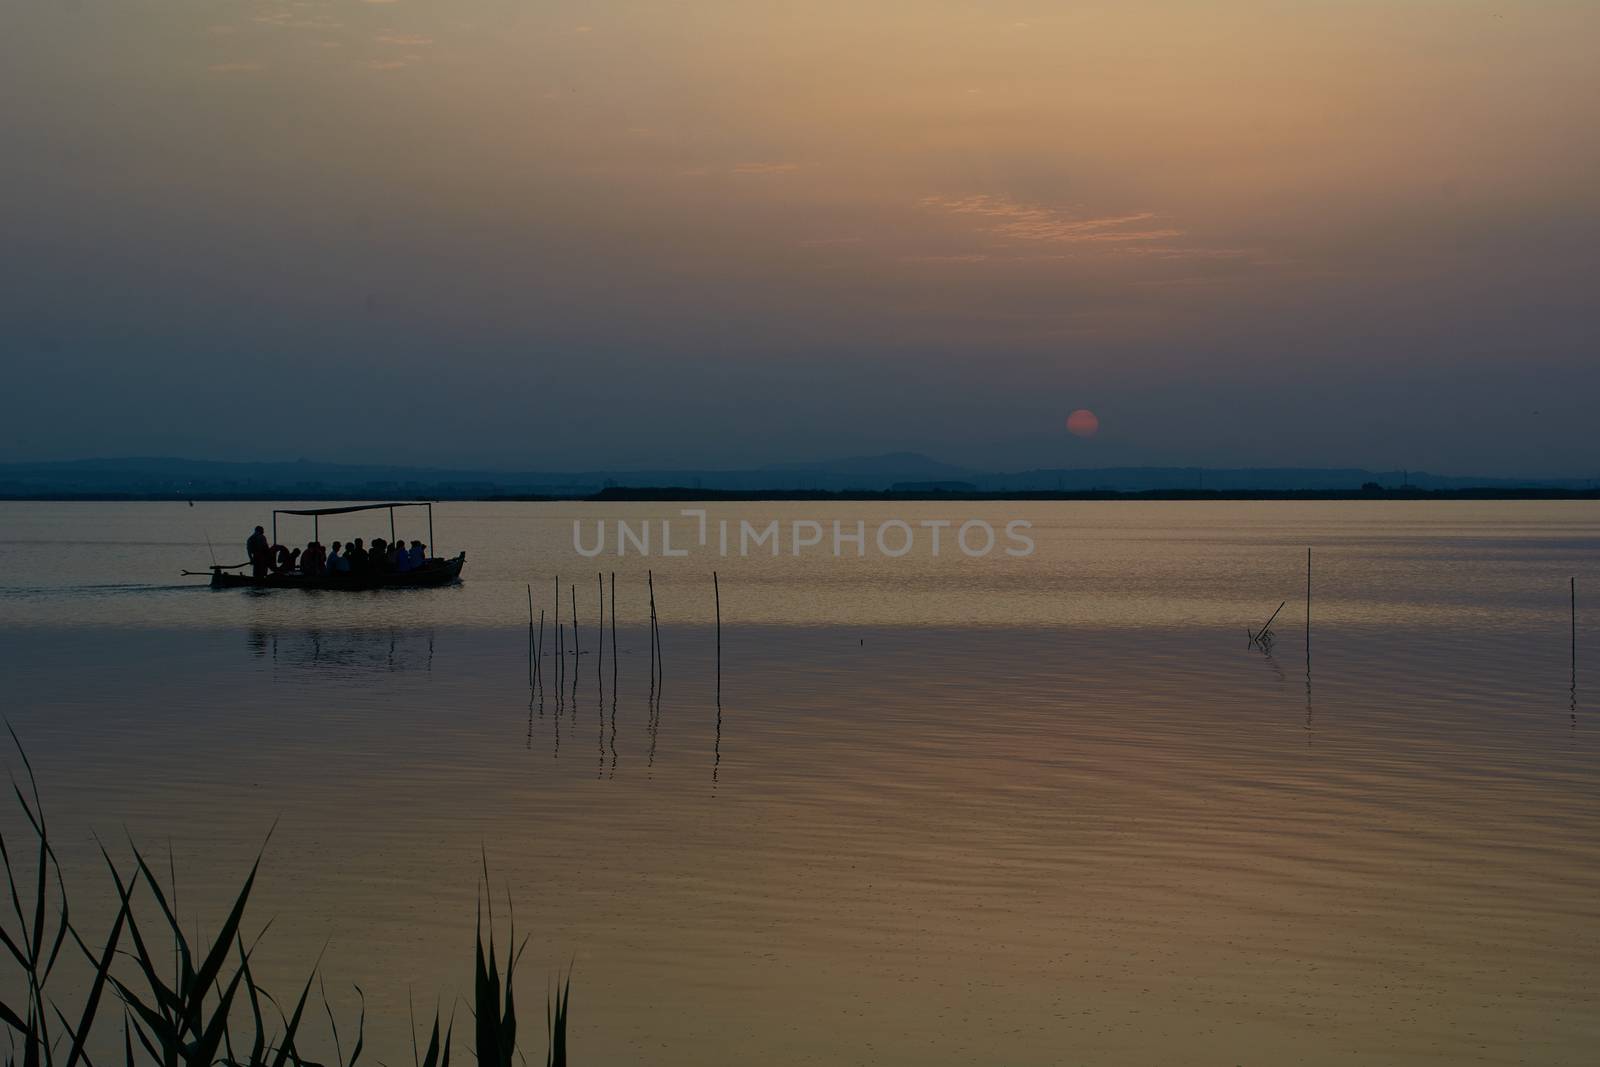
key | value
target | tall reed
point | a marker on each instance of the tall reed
(205, 1008)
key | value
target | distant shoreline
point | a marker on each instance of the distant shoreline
(686, 494)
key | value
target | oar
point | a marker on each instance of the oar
(217, 567)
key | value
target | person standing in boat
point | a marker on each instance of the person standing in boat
(259, 552)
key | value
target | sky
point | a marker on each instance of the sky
(574, 235)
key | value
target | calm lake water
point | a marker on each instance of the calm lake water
(945, 810)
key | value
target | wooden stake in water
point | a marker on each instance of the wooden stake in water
(600, 658)
(716, 591)
(577, 649)
(532, 666)
(1308, 608)
(560, 639)
(1262, 632)
(613, 636)
(538, 654)
(655, 632)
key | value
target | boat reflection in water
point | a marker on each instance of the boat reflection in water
(388, 650)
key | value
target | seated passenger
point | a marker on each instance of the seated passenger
(356, 557)
(396, 554)
(283, 560)
(311, 560)
(418, 554)
(378, 555)
(336, 563)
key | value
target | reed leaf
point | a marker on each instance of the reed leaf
(292, 1027)
(12, 1019)
(179, 940)
(102, 973)
(258, 1044)
(439, 1055)
(361, 1030)
(556, 1020)
(144, 1039)
(187, 1022)
(431, 1059)
(203, 1050)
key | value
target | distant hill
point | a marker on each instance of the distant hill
(1142, 479)
(874, 471)
(160, 477)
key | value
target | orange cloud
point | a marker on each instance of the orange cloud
(1030, 222)
(293, 19)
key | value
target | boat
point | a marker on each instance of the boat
(435, 570)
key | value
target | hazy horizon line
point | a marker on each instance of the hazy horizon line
(952, 469)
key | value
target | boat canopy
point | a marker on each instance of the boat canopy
(390, 505)
(356, 507)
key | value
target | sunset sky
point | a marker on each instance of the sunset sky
(581, 234)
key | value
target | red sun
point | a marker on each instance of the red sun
(1083, 423)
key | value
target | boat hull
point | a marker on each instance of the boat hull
(433, 573)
